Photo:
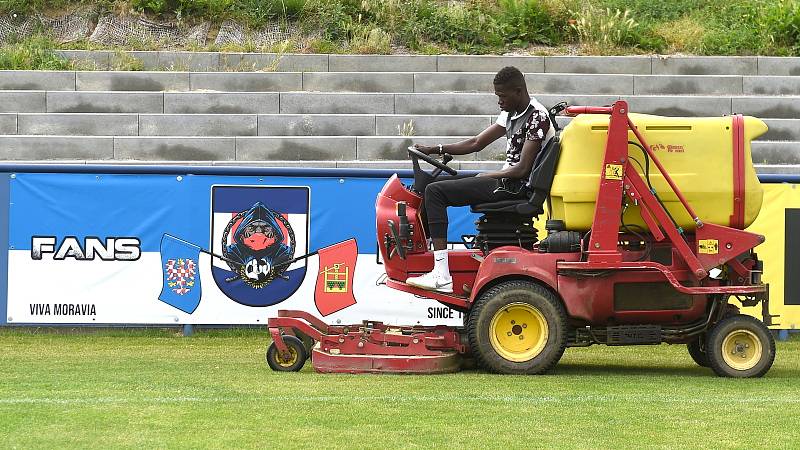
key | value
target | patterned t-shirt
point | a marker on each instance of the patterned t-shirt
(532, 124)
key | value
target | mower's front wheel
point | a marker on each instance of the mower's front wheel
(291, 363)
(740, 346)
(517, 327)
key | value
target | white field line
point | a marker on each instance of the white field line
(402, 399)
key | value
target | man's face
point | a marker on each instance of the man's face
(508, 98)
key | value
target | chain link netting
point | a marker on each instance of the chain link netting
(234, 33)
(12, 28)
(127, 30)
(67, 28)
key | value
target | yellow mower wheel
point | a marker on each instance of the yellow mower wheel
(517, 327)
(291, 363)
(740, 346)
(518, 332)
(741, 349)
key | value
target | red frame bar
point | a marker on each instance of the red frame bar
(737, 218)
(647, 265)
(605, 227)
(575, 110)
(310, 318)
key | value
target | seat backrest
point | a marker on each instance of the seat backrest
(554, 111)
(544, 170)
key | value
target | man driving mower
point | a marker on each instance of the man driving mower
(525, 123)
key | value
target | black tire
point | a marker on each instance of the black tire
(697, 350)
(504, 300)
(744, 337)
(295, 363)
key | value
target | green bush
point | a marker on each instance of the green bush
(206, 9)
(157, 7)
(683, 35)
(733, 29)
(464, 27)
(36, 53)
(646, 11)
(603, 27)
(780, 25)
(526, 22)
(371, 41)
(333, 19)
(30, 6)
(260, 11)
(255, 12)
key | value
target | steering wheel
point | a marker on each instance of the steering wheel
(440, 165)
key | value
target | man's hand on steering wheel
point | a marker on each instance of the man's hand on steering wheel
(427, 149)
(441, 166)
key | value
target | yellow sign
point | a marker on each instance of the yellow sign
(771, 222)
(613, 171)
(708, 246)
(336, 278)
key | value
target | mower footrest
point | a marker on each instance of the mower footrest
(633, 335)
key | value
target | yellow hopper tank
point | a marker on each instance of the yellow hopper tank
(697, 152)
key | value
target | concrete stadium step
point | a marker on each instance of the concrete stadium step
(776, 152)
(765, 107)
(640, 65)
(100, 124)
(113, 124)
(277, 148)
(397, 82)
(232, 148)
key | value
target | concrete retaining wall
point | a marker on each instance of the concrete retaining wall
(640, 65)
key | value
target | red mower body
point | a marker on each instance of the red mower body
(612, 288)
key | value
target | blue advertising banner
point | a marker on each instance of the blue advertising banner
(198, 245)
(178, 248)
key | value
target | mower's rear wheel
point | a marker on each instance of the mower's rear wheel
(517, 327)
(697, 350)
(740, 346)
(294, 362)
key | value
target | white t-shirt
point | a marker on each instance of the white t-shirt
(535, 126)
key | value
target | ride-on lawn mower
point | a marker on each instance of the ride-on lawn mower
(627, 260)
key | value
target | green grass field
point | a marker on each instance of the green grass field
(153, 388)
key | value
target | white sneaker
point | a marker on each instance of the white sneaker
(432, 281)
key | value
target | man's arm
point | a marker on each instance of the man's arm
(523, 168)
(471, 145)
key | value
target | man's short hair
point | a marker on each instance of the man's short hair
(509, 76)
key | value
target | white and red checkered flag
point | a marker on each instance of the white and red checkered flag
(179, 261)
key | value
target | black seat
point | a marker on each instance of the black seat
(510, 222)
